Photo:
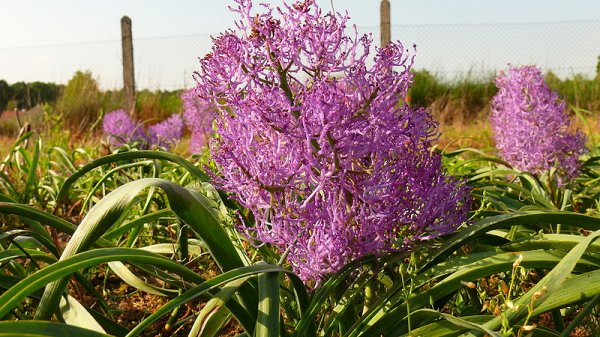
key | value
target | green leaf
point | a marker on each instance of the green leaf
(45, 329)
(170, 249)
(580, 316)
(507, 221)
(197, 291)
(548, 286)
(576, 289)
(306, 326)
(92, 191)
(550, 241)
(267, 324)
(458, 323)
(11, 254)
(42, 240)
(64, 268)
(390, 310)
(104, 214)
(66, 160)
(31, 182)
(214, 314)
(37, 215)
(130, 278)
(116, 232)
(127, 156)
(76, 315)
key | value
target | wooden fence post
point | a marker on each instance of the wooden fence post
(385, 29)
(128, 74)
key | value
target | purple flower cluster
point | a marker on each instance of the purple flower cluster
(531, 130)
(166, 133)
(198, 118)
(121, 129)
(321, 148)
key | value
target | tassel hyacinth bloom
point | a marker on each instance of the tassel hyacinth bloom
(121, 129)
(166, 133)
(198, 119)
(321, 148)
(531, 130)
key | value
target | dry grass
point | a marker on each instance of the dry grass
(476, 134)
(5, 145)
(460, 131)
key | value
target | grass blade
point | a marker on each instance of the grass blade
(507, 221)
(130, 278)
(32, 172)
(548, 285)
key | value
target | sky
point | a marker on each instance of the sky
(48, 40)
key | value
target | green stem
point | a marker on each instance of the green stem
(559, 324)
(182, 242)
(368, 297)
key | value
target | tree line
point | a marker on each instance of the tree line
(22, 95)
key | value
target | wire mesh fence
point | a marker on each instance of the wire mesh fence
(565, 48)
(450, 51)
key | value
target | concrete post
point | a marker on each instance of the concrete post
(385, 29)
(128, 72)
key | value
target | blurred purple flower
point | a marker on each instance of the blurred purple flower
(322, 149)
(120, 128)
(198, 118)
(166, 133)
(531, 130)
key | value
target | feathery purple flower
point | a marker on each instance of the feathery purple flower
(531, 129)
(120, 128)
(166, 133)
(321, 148)
(198, 118)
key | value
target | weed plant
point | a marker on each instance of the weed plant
(80, 101)
(154, 106)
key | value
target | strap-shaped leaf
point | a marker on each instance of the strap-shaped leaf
(508, 220)
(548, 285)
(64, 268)
(127, 156)
(45, 329)
(267, 323)
(193, 209)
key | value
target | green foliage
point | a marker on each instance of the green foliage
(149, 219)
(465, 98)
(5, 95)
(577, 90)
(598, 69)
(44, 329)
(153, 106)
(23, 95)
(80, 101)
(458, 100)
(27, 174)
(112, 100)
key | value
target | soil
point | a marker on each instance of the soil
(130, 307)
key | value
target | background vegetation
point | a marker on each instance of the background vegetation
(460, 106)
(142, 240)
